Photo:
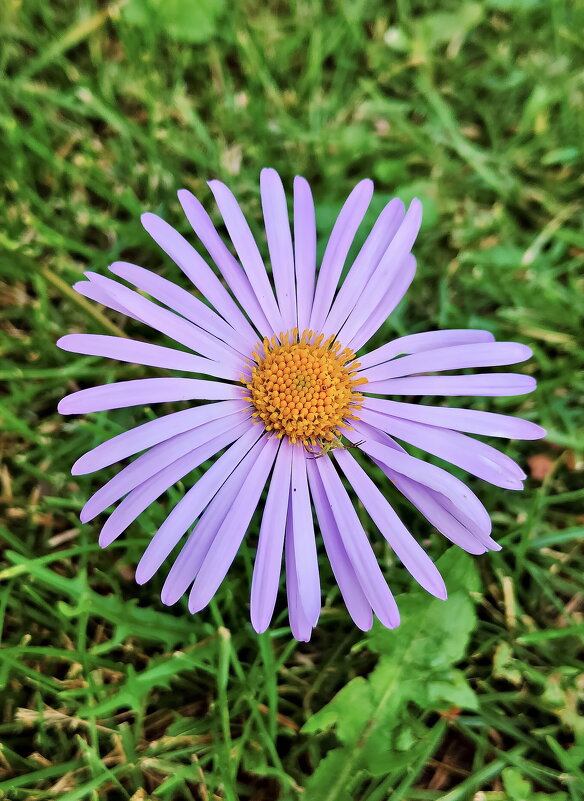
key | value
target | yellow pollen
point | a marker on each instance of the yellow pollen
(303, 387)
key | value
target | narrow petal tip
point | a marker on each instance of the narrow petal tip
(62, 342)
(168, 596)
(106, 537)
(196, 605)
(91, 275)
(441, 592)
(149, 220)
(268, 172)
(146, 569)
(78, 468)
(388, 619)
(85, 515)
(63, 407)
(259, 625)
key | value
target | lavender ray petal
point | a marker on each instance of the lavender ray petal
(471, 529)
(431, 505)
(390, 300)
(412, 555)
(491, 385)
(227, 264)
(279, 238)
(93, 292)
(368, 258)
(337, 249)
(194, 551)
(153, 461)
(266, 571)
(458, 357)
(151, 433)
(386, 272)
(194, 267)
(193, 503)
(186, 304)
(146, 493)
(304, 250)
(141, 391)
(357, 546)
(475, 457)
(248, 253)
(355, 600)
(136, 352)
(229, 537)
(469, 420)
(304, 539)
(299, 624)
(428, 474)
(171, 324)
(427, 340)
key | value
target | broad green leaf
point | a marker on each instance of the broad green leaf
(333, 771)
(453, 690)
(349, 710)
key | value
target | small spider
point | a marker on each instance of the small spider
(330, 445)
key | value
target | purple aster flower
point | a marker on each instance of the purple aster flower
(283, 385)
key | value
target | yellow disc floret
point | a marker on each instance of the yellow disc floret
(303, 387)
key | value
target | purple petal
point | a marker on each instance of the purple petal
(131, 350)
(194, 267)
(423, 472)
(171, 324)
(304, 250)
(428, 340)
(412, 555)
(357, 604)
(231, 271)
(490, 354)
(151, 433)
(301, 627)
(388, 269)
(146, 493)
(304, 539)
(266, 571)
(357, 546)
(247, 250)
(183, 302)
(154, 460)
(470, 534)
(379, 239)
(193, 553)
(487, 384)
(475, 457)
(337, 249)
(397, 289)
(433, 506)
(226, 544)
(97, 293)
(193, 503)
(279, 243)
(469, 420)
(143, 391)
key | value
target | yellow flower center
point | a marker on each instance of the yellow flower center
(304, 387)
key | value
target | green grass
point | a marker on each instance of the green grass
(105, 112)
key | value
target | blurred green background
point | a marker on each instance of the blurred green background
(106, 110)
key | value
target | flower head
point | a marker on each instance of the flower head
(285, 398)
